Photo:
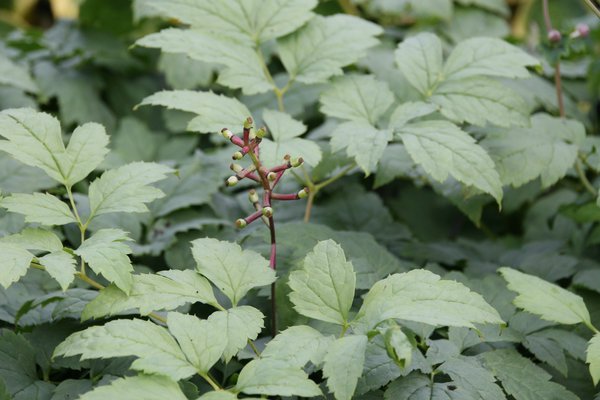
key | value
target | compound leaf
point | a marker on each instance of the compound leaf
(141, 387)
(343, 365)
(61, 266)
(15, 262)
(593, 357)
(85, 151)
(298, 345)
(236, 326)
(42, 208)
(420, 60)
(362, 141)
(275, 378)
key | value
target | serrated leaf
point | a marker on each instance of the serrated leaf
(395, 162)
(420, 60)
(415, 386)
(215, 112)
(325, 45)
(593, 357)
(200, 340)
(141, 387)
(473, 381)
(357, 98)
(181, 72)
(232, 270)
(362, 141)
(487, 56)
(126, 189)
(165, 290)
(549, 301)
(343, 365)
(236, 326)
(478, 100)
(17, 358)
(323, 288)
(86, 150)
(42, 208)
(410, 110)
(14, 261)
(298, 345)
(106, 254)
(16, 75)
(242, 67)
(547, 350)
(421, 296)
(61, 266)
(547, 150)
(253, 21)
(156, 350)
(521, 378)
(275, 378)
(398, 346)
(443, 149)
(18, 177)
(34, 239)
(285, 132)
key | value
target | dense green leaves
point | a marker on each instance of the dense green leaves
(275, 378)
(141, 387)
(593, 357)
(298, 345)
(420, 60)
(42, 208)
(236, 326)
(343, 365)
(15, 262)
(362, 141)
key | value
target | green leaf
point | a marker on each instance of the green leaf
(498, 6)
(15, 75)
(220, 395)
(141, 387)
(15, 263)
(254, 21)
(126, 189)
(181, 72)
(325, 45)
(547, 149)
(362, 141)
(35, 239)
(344, 365)
(408, 111)
(323, 288)
(236, 326)
(398, 346)
(521, 378)
(395, 162)
(275, 378)
(233, 270)
(61, 266)
(106, 254)
(86, 150)
(200, 340)
(40, 208)
(298, 345)
(415, 386)
(242, 67)
(422, 296)
(156, 350)
(593, 357)
(165, 290)
(285, 132)
(547, 350)
(478, 100)
(17, 358)
(473, 381)
(357, 98)
(215, 111)
(420, 60)
(487, 56)
(549, 301)
(443, 149)
(18, 177)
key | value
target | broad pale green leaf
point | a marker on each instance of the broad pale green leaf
(467, 23)
(479, 100)
(42, 208)
(325, 45)
(323, 288)
(17, 358)
(522, 379)
(200, 340)
(415, 386)
(127, 188)
(165, 290)
(410, 110)
(236, 326)
(275, 378)
(421, 296)
(106, 254)
(232, 270)
(215, 111)
(473, 381)
(35, 239)
(487, 56)
(344, 365)
(398, 346)
(549, 301)
(593, 357)
(242, 67)
(14, 261)
(21, 178)
(362, 141)
(420, 60)
(61, 266)
(86, 150)
(15, 75)
(498, 6)
(395, 162)
(181, 72)
(357, 98)
(141, 387)
(285, 132)
(218, 395)
(34, 138)
(443, 149)
(547, 350)
(253, 21)
(547, 150)
(298, 345)
(155, 348)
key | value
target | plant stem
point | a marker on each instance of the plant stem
(584, 180)
(309, 204)
(557, 78)
(211, 381)
(313, 188)
(254, 348)
(349, 7)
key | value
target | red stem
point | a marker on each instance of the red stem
(279, 196)
(253, 217)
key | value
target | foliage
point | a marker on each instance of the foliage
(443, 159)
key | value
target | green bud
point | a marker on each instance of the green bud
(252, 134)
(231, 181)
(241, 223)
(236, 167)
(253, 196)
(296, 162)
(248, 123)
(261, 132)
(237, 155)
(303, 193)
(267, 212)
(271, 176)
(227, 134)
